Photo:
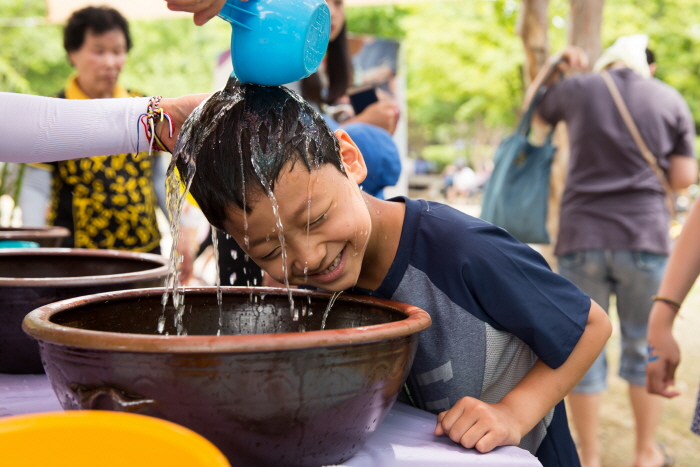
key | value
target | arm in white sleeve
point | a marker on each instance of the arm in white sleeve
(44, 129)
(34, 196)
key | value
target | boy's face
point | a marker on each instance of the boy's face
(325, 221)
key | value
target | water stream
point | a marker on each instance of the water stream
(328, 309)
(219, 296)
(263, 157)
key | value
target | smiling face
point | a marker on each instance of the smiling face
(99, 61)
(325, 221)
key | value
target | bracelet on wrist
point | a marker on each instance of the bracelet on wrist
(668, 301)
(148, 120)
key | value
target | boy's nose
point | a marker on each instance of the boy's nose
(308, 259)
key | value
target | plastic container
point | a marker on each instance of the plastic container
(107, 439)
(275, 42)
(18, 244)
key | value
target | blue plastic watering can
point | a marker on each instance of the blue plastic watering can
(275, 42)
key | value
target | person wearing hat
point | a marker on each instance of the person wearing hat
(614, 221)
(381, 156)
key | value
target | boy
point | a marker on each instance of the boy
(509, 337)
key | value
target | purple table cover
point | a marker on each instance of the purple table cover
(404, 439)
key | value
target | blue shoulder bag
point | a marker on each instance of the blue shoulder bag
(517, 192)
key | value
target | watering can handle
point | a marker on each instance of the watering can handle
(229, 10)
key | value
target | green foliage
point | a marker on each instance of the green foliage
(463, 60)
(463, 64)
(32, 59)
(440, 155)
(170, 57)
(674, 36)
(383, 21)
(174, 57)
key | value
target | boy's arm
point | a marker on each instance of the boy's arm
(476, 424)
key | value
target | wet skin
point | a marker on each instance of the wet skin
(335, 236)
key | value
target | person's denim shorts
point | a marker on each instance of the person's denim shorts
(633, 277)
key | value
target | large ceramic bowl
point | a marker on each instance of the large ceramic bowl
(45, 236)
(268, 391)
(32, 277)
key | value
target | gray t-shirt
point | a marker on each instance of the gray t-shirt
(613, 199)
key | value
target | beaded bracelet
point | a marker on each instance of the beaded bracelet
(668, 301)
(148, 120)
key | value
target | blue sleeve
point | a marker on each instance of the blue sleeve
(514, 286)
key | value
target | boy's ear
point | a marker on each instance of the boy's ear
(352, 157)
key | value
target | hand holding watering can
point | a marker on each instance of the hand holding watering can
(203, 10)
(273, 42)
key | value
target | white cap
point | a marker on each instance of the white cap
(630, 50)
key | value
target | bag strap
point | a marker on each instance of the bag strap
(526, 120)
(643, 148)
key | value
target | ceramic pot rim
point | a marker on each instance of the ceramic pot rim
(158, 272)
(38, 325)
(36, 232)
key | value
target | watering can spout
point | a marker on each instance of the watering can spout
(276, 42)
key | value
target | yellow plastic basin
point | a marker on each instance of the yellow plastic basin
(100, 438)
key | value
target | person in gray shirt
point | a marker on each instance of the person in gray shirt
(614, 220)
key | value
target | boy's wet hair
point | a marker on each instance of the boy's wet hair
(237, 143)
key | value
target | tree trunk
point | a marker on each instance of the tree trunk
(532, 28)
(586, 19)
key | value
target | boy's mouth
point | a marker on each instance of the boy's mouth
(333, 270)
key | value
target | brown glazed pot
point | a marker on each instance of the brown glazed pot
(45, 236)
(265, 393)
(32, 277)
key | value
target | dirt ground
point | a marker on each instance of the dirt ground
(617, 435)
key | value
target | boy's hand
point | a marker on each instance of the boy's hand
(476, 424)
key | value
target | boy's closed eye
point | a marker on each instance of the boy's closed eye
(318, 220)
(271, 254)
